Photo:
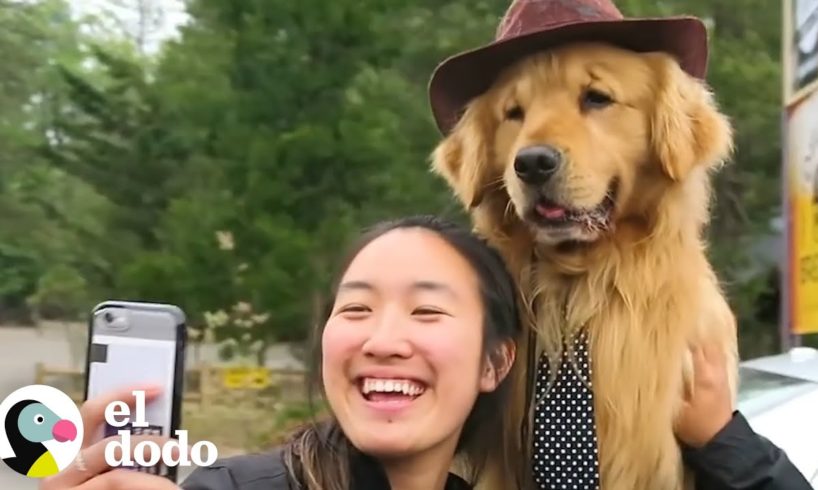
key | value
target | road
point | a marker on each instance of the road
(22, 348)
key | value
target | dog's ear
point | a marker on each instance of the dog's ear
(688, 130)
(463, 158)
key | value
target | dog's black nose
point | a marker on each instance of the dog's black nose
(536, 164)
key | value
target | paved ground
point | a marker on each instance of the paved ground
(22, 348)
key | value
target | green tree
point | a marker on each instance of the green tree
(39, 228)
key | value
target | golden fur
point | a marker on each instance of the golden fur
(642, 285)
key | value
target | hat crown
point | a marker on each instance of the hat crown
(526, 16)
(531, 26)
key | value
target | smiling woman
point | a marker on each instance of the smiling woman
(413, 354)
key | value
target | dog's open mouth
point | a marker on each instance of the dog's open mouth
(547, 213)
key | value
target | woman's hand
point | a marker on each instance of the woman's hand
(89, 471)
(709, 407)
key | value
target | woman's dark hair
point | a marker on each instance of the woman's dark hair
(319, 455)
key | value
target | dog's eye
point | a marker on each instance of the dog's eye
(594, 99)
(515, 113)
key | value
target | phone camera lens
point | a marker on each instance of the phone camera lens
(115, 321)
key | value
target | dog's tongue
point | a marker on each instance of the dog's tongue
(550, 212)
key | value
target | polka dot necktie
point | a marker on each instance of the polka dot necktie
(565, 445)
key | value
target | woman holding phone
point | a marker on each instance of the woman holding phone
(413, 355)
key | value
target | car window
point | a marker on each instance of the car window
(759, 391)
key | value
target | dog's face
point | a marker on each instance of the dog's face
(582, 136)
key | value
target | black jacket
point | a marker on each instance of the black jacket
(736, 459)
(267, 472)
(739, 459)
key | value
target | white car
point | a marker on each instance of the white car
(779, 397)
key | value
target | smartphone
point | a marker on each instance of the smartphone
(132, 343)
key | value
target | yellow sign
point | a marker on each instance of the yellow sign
(242, 378)
(802, 190)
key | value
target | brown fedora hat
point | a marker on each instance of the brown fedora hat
(533, 25)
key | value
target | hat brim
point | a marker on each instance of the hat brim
(466, 75)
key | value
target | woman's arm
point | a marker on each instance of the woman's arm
(738, 458)
(720, 445)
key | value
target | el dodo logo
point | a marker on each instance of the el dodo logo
(41, 431)
(42, 435)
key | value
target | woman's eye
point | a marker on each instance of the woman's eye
(354, 309)
(427, 312)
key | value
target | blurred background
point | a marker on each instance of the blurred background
(216, 154)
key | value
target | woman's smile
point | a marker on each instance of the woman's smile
(389, 395)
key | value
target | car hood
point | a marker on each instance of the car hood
(792, 427)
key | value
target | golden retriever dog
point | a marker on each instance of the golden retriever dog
(588, 166)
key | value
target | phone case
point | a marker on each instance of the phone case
(132, 343)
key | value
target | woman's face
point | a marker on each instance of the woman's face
(402, 349)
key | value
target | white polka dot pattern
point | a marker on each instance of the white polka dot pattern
(565, 445)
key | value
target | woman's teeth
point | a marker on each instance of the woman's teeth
(378, 385)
